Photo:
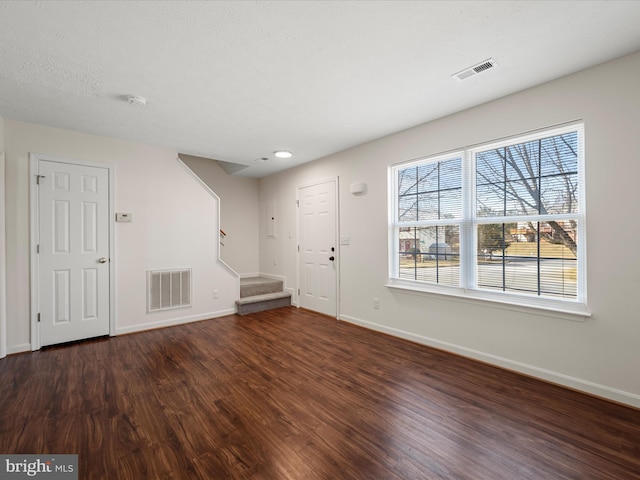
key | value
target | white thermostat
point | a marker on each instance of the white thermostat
(124, 217)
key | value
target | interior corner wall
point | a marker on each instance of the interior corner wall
(599, 355)
(174, 226)
(238, 212)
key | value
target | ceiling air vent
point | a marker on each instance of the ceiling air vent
(471, 71)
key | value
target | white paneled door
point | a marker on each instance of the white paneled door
(318, 247)
(73, 251)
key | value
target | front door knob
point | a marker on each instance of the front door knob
(102, 260)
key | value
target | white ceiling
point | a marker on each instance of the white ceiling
(234, 81)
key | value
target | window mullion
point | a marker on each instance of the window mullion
(394, 220)
(504, 212)
(539, 199)
(468, 228)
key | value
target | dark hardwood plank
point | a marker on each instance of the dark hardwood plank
(288, 394)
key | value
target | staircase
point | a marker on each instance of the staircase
(260, 293)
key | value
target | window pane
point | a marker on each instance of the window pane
(428, 206)
(559, 173)
(407, 208)
(450, 188)
(559, 194)
(522, 161)
(490, 167)
(451, 204)
(431, 191)
(440, 205)
(489, 202)
(430, 254)
(407, 181)
(536, 177)
(521, 197)
(428, 177)
(528, 258)
(451, 174)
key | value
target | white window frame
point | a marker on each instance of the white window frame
(569, 308)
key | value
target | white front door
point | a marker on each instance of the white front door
(318, 247)
(73, 246)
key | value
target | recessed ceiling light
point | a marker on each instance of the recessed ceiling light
(283, 154)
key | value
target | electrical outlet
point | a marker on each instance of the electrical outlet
(215, 294)
(376, 303)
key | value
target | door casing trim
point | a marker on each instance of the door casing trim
(34, 233)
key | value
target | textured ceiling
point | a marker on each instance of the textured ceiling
(234, 81)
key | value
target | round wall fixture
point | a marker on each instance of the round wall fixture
(136, 100)
(283, 154)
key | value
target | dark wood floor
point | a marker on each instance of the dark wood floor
(288, 394)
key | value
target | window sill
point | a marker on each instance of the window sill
(573, 311)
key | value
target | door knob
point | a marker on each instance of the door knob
(332, 258)
(102, 260)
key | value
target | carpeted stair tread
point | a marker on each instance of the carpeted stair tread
(253, 286)
(262, 297)
(258, 294)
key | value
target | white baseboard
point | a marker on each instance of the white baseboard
(173, 321)
(22, 347)
(26, 347)
(582, 385)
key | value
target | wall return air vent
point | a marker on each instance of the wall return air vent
(479, 68)
(168, 289)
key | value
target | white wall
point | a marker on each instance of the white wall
(238, 212)
(600, 355)
(168, 230)
(3, 304)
